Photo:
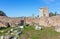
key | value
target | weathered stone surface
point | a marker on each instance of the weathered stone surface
(3, 24)
(57, 28)
(50, 21)
(12, 21)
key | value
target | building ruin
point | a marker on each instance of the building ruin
(43, 12)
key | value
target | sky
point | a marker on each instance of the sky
(18, 8)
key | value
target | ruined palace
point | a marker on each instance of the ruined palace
(43, 19)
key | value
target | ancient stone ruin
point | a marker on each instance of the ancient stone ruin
(43, 19)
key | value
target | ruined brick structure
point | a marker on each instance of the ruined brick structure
(43, 12)
(47, 21)
(43, 19)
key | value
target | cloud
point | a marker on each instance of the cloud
(49, 1)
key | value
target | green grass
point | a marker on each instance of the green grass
(46, 33)
(8, 29)
(29, 32)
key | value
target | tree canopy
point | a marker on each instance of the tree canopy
(2, 13)
(52, 14)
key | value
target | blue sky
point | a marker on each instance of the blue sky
(17, 8)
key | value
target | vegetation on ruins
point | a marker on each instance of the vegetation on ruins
(53, 14)
(29, 32)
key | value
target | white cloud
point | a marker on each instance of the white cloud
(49, 1)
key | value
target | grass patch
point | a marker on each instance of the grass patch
(46, 33)
(30, 33)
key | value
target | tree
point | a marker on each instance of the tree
(55, 13)
(2, 13)
(52, 14)
(37, 15)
